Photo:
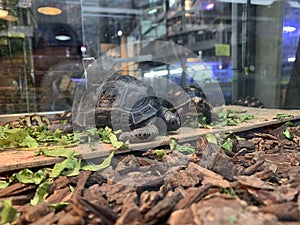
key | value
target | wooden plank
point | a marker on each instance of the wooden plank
(11, 160)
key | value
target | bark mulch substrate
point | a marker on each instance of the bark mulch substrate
(257, 182)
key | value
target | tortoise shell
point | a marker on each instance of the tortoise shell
(249, 101)
(33, 120)
(121, 102)
(190, 102)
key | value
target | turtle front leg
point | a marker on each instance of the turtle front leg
(139, 135)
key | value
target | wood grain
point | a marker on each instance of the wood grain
(15, 159)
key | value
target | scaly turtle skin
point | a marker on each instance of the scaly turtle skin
(125, 103)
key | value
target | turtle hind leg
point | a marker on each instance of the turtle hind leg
(139, 135)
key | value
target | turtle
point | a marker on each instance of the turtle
(60, 121)
(249, 101)
(190, 102)
(125, 103)
(33, 120)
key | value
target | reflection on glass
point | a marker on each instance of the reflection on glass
(249, 47)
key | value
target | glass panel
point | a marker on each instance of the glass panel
(240, 47)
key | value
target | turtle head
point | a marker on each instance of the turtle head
(172, 119)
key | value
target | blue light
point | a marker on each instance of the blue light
(210, 6)
(288, 29)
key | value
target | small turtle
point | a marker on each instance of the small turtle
(125, 103)
(33, 120)
(60, 121)
(249, 101)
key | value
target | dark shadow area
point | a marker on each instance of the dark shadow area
(292, 99)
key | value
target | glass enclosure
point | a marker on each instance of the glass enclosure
(238, 48)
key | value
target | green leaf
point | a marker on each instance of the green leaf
(160, 153)
(29, 142)
(13, 138)
(40, 194)
(75, 170)
(3, 184)
(26, 176)
(59, 206)
(115, 142)
(245, 117)
(232, 219)
(60, 152)
(287, 134)
(227, 191)
(181, 148)
(104, 133)
(72, 189)
(227, 145)
(8, 213)
(68, 166)
(211, 138)
(16, 136)
(289, 124)
(92, 167)
(231, 122)
(282, 116)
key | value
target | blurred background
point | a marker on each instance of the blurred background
(245, 47)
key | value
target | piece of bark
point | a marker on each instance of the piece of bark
(96, 178)
(254, 182)
(130, 200)
(288, 192)
(111, 175)
(176, 160)
(193, 197)
(210, 177)
(70, 219)
(253, 168)
(106, 214)
(60, 195)
(116, 193)
(213, 158)
(287, 211)
(93, 195)
(131, 216)
(228, 210)
(77, 208)
(128, 164)
(152, 154)
(148, 200)
(33, 213)
(59, 183)
(16, 189)
(266, 174)
(49, 219)
(161, 211)
(189, 177)
(20, 199)
(83, 177)
(182, 217)
(239, 144)
(156, 169)
(265, 197)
